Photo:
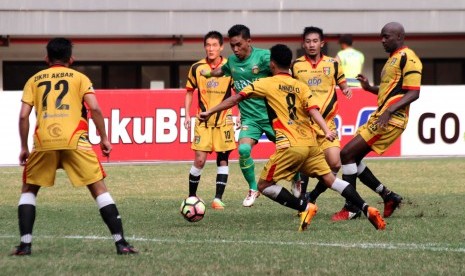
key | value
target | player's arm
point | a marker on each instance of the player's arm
(317, 118)
(238, 120)
(345, 89)
(408, 98)
(411, 74)
(187, 106)
(217, 72)
(97, 117)
(366, 85)
(228, 103)
(24, 132)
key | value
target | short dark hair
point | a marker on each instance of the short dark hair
(311, 30)
(214, 35)
(281, 55)
(59, 49)
(239, 29)
(346, 39)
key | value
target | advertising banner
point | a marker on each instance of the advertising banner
(437, 123)
(148, 125)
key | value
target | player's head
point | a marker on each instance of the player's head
(239, 39)
(392, 36)
(345, 40)
(60, 50)
(213, 44)
(280, 57)
(239, 30)
(213, 35)
(313, 41)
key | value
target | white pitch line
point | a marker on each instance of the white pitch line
(391, 246)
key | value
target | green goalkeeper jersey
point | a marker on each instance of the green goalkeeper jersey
(244, 72)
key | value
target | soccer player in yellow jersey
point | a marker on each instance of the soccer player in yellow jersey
(321, 74)
(400, 86)
(290, 104)
(61, 140)
(216, 134)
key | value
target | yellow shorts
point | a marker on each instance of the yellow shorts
(82, 166)
(324, 143)
(216, 139)
(285, 163)
(379, 139)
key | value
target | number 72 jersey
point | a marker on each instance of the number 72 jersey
(57, 95)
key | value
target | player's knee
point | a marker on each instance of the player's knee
(335, 166)
(244, 150)
(222, 158)
(345, 156)
(199, 163)
(262, 185)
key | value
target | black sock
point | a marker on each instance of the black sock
(319, 189)
(26, 218)
(287, 199)
(193, 184)
(369, 179)
(351, 195)
(352, 179)
(221, 181)
(112, 219)
(304, 183)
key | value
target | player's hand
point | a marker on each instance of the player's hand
(105, 146)
(347, 92)
(187, 122)
(203, 116)
(205, 73)
(238, 122)
(363, 81)
(23, 155)
(331, 136)
(383, 119)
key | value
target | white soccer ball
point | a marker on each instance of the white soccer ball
(193, 208)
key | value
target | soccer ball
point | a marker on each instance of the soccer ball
(193, 208)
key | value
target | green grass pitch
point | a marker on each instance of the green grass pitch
(425, 237)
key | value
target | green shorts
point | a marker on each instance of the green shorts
(253, 129)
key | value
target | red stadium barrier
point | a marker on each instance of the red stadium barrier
(147, 125)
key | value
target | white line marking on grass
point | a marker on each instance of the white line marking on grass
(392, 246)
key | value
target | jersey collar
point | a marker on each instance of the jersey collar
(211, 65)
(57, 65)
(398, 50)
(316, 64)
(283, 74)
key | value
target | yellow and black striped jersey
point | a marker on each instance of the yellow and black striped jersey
(401, 73)
(211, 92)
(322, 79)
(287, 101)
(57, 95)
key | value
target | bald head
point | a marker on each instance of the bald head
(392, 36)
(395, 27)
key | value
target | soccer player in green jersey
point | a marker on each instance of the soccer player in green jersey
(246, 66)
